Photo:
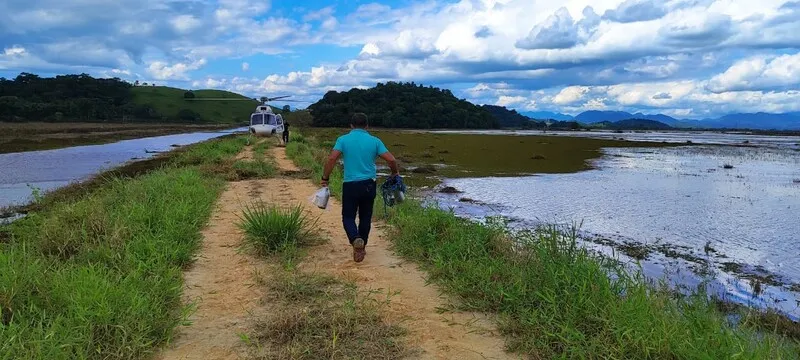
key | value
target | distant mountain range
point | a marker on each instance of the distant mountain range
(544, 115)
(761, 121)
(632, 124)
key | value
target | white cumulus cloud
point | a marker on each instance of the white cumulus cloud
(759, 73)
(185, 23)
(178, 71)
(570, 95)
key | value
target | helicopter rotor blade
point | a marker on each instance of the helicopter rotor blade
(276, 98)
(220, 99)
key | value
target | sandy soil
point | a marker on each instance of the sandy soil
(222, 283)
(223, 280)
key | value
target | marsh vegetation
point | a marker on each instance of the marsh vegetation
(554, 297)
(474, 155)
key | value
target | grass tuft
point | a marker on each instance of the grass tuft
(270, 228)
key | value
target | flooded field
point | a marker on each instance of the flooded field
(696, 137)
(688, 206)
(672, 208)
(26, 172)
(31, 136)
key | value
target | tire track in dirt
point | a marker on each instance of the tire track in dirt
(414, 305)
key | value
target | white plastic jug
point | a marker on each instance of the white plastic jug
(321, 197)
(399, 196)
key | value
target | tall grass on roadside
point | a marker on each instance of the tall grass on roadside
(98, 274)
(270, 228)
(557, 299)
(101, 277)
(307, 155)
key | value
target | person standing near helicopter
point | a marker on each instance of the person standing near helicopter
(285, 132)
(359, 188)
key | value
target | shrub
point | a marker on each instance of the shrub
(269, 228)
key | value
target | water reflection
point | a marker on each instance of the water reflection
(50, 169)
(683, 198)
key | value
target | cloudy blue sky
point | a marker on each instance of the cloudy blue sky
(685, 58)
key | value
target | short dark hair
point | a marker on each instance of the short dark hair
(359, 120)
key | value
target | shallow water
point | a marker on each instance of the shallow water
(50, 169)
(680, 196)
(696, 137)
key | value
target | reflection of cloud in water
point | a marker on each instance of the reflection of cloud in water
(50, 169)
(675, 196)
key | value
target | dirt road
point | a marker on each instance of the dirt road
(223, 278)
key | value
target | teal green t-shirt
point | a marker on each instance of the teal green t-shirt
(359, 151)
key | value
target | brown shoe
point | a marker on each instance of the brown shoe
(358, 250)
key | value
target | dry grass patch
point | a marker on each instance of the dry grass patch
(321, 317)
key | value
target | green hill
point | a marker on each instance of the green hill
(170, 103)
(71, 98)
(401, 105)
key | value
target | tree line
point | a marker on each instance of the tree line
(64, 98)
(29, 97)
(401, 105)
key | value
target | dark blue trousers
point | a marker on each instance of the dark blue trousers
(358, 197)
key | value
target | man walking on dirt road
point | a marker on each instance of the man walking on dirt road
(359, 189)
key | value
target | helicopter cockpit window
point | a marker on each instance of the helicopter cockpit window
(271, 120)
(257, 119)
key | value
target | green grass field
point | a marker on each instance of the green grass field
(168, 101)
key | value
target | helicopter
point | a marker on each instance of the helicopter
(263, 121)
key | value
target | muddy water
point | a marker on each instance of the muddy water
(46, 170)
(708, 220)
